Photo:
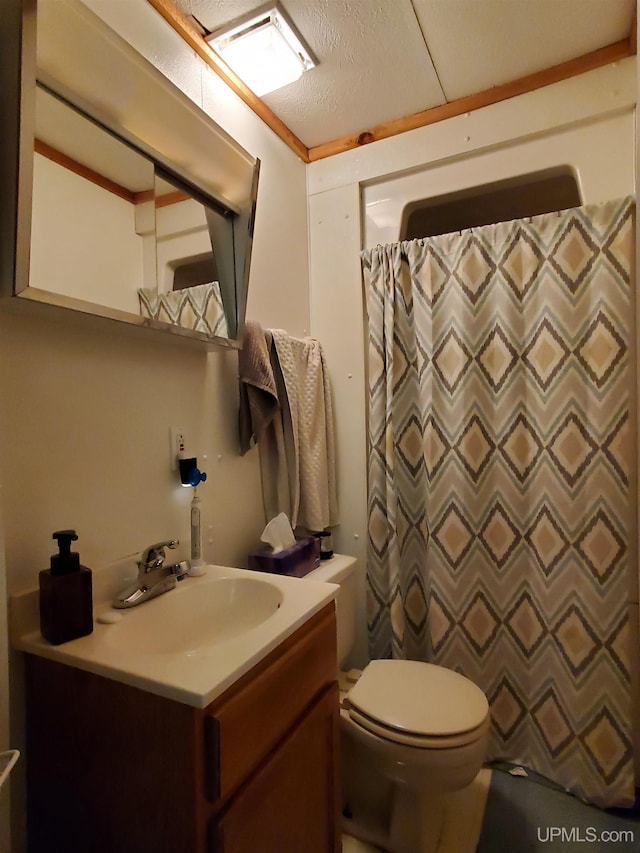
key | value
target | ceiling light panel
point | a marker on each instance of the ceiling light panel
(264, 50)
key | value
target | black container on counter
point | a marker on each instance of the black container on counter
(66, 594)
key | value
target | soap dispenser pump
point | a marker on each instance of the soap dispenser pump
(66, 594)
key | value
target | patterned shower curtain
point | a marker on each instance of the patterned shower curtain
(502, 479)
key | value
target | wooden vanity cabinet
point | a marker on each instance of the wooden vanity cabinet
(114, 769)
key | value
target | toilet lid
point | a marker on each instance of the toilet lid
(419, 698)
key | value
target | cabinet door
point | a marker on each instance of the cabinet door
(291, 804)
(110, 768)
(247, 722)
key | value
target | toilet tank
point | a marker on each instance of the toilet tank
(341, 570)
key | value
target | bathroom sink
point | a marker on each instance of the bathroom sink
(188, 644)
(192, 617)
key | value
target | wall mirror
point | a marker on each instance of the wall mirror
(133, 204)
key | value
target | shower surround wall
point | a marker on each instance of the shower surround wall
(356, 200)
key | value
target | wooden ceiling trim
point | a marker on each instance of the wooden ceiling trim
(172, 198)
(100, 180)
(183, 26)
(565, 70)
(46, 150)
(572, 68)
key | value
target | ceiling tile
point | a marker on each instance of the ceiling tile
(373, 64)
(377, 57)
(479, 44)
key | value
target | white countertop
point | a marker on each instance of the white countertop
(196, 676)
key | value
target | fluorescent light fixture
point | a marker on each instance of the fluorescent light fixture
(263, 49)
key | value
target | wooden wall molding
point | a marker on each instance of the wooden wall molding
(86, 172)
(588, 62)
(89, 174)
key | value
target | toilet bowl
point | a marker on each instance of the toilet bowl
(412, 734)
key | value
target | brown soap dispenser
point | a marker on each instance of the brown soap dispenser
(66, 594)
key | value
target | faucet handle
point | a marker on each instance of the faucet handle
(153, 556)
(180, 570)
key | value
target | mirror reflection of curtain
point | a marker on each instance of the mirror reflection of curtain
(198, 308)
(501, 453)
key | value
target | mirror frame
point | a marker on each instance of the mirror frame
(87, 64)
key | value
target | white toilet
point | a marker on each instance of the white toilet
(413, 734)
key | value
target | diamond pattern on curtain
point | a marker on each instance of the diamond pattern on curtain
(198, 307)
(501, 518)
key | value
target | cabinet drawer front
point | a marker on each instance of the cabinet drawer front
(247, 722)
(291, 803)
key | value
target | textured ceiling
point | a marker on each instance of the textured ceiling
(381, 60)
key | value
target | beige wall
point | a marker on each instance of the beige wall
(69, 255)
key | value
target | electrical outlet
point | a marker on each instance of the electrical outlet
(176, 446)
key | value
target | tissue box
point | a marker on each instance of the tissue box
(296, 561)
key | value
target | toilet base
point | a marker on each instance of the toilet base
(410, 822)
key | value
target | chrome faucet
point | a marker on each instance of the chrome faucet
(154, 577)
